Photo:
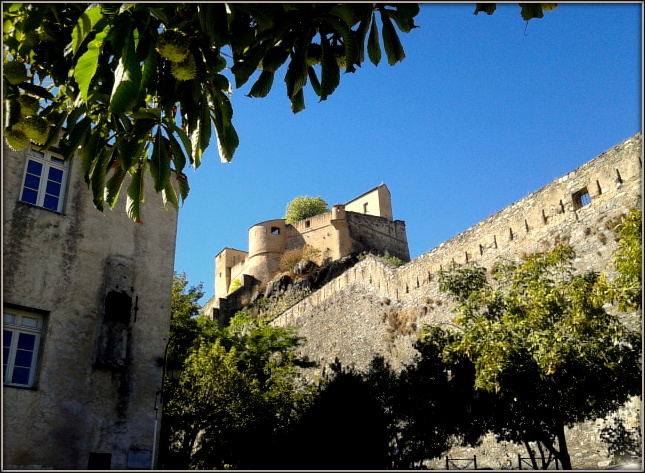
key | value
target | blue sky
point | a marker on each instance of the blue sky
(483, 111)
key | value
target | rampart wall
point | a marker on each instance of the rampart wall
(376, 308)
(535, 223)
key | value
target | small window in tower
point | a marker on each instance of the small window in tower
(581, 198)
(365, 208)
(307, 223)
(275, 231)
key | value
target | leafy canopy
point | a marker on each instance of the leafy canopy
(540, 339)
(305, 207)
(238, 385)
(628, 260)
(137, 88)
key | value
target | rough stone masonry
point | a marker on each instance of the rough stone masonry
(376, 308)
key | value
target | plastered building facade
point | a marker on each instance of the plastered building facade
(375, 308)
(86, 310)
(363, 224)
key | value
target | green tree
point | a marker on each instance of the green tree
(184, 322)
(239, 388)
(628, 261)
(435, 404)
(540, 340)
(137, 88)
(305, 207)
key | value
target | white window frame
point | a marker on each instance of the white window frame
(48, 161)
(19, 322)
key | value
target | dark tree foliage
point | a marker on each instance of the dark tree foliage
(345, 428)
(542, 343)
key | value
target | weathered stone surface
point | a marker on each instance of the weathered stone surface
(374, 308)
(304, 267)
(104, 283)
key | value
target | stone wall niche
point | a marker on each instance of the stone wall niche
(118, 314)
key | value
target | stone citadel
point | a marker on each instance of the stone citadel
(364, 224)
(376, 308)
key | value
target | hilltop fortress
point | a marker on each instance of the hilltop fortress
(364, 224)
(375, 308)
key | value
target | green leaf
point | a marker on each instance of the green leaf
(298, 101)
(531, 10)
(184, 188)
(85, 25)
(185, 140)
(296, 76)
(135, 193)
(132, 149)
(37, 90)
(315, 84)
(113, 186)
(178, 155)
(246, 66)
(330, 77)
(169, 195)
(159, 162)
(222, 115)
(201, 134)
(214, 21)
(149, 72)
(262, 86)
(55, 130)
(87, 64)
(110, 9)
(12, 112)
(349, 14)
(391, 43)
(488, 8)
(373, 45)
(362, 30)
(89, 153)
(404, 17)
(274, 58)
(349, 40)
(97, 176)
(127, 78)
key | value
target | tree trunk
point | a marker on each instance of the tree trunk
(531, 455)
(564, 457)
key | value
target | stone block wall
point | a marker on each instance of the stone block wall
(376, 308)
(103, 284)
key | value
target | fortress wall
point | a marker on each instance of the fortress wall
(369, 232)
(229, 264)
(589, 230)
(315, 231)
(376, 308)
(267, 243)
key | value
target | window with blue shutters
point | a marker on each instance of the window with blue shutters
(45, 179)
(22, 333)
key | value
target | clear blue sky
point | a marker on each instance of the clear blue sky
(483, 111)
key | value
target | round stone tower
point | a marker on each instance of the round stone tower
(267, 242)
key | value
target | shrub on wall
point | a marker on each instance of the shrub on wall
(289, 259)
(305, 207)
(385, 256)
(235, 284)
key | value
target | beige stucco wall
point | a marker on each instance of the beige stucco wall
(375, 202)
(229, 264)
(59, 263)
